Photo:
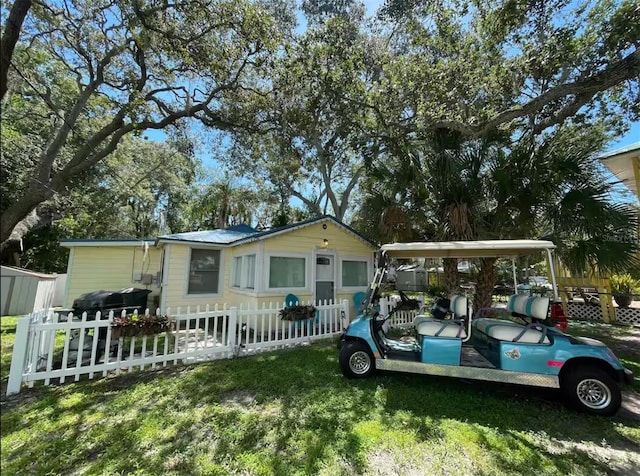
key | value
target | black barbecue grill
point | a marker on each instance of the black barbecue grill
(129, 300)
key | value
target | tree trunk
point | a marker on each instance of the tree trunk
(486, 281)
(451, 279)
(12, 28)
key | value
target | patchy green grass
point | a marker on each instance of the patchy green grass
(292, 412)
(623, 340)
(7, 334)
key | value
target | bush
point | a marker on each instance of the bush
(434, 290)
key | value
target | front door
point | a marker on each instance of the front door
(325, 282)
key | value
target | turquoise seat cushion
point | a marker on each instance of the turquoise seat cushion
(485, 322)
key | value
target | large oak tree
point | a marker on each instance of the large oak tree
(134, 65)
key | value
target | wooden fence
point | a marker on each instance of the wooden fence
(53, 347)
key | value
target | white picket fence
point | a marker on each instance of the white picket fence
(49, 346)
(400, 319)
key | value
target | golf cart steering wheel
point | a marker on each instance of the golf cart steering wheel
(403, 297)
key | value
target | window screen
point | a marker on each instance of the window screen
(204, 271)
(286, 272)
(354, 273)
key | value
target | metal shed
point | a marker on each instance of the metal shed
(25, 291)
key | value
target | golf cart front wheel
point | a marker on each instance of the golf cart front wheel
(356, 360)
(592, 390)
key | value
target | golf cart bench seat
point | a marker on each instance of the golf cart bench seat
(438, 328)
(517, 333)
(432, 327)
(531, 307)
(457, 307)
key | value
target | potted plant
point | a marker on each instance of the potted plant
(622, 288)
(139, 325)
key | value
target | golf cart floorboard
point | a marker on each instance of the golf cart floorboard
(470, 357)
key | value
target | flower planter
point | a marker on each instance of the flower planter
(134, 326)
(622, 300)
(297, 313)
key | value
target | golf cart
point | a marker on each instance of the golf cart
(523, 347)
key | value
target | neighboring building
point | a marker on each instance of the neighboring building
(318, 259)
(625, 165)
(25, 291)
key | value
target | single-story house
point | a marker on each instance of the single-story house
(317, 259)
(25, 291)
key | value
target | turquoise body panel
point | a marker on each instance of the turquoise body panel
(361, 328)
(545, 359)
(440, 350)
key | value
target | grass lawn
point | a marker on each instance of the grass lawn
(7, 335)
(292, 412)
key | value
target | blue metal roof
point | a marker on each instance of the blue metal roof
(242, 228)
(233, 235)
(220, 236)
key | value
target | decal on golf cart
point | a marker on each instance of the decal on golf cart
(513, 354)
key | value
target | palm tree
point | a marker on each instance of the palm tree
(552, 188)
(539, 187)
(221, 204)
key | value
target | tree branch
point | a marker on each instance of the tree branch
(584, 90)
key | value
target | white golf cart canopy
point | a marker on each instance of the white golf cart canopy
(466, 249)
(475, 249)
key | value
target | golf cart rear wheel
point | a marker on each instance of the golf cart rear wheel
(356, 360)
(592, 390)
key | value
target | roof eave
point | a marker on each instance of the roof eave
(192, 242)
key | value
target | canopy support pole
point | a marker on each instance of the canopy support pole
(515, 276)
(553, 275)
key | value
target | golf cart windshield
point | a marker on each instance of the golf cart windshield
(460, 249)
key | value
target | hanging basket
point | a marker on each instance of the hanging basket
(297, 313)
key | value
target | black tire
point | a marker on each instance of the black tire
(591, 390)
(356, 360)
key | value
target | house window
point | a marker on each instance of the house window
(354, 273)
(250, 271)
(204, 271)
(244, 272)
(286, 272)
(237, 272)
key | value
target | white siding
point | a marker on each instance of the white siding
(24, 294)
